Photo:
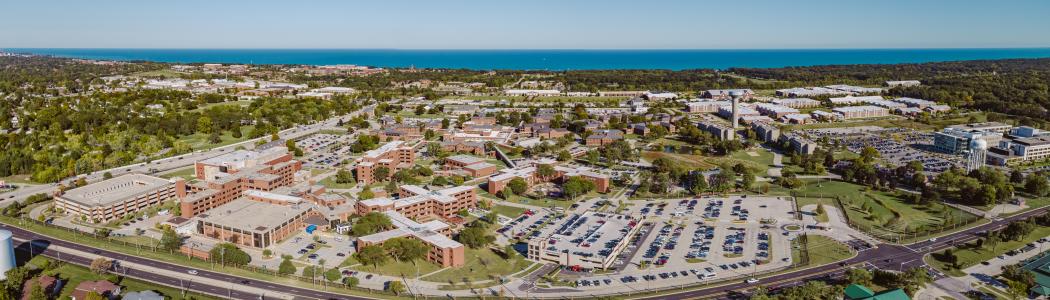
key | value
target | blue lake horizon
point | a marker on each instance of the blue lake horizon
(553, 60)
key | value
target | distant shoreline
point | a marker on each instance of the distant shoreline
(554, 60)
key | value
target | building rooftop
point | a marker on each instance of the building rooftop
(252, 215)
(114, 190)
(429, 232)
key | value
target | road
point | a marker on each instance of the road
(885, 257)
(276, 288)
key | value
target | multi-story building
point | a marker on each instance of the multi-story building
(706, 106)
(530, 174)
(896, 83)
(421, 204)
(745, 94)
(603, 137)
(113, 198)
(471, 165)
(775, 111)
(393, 156)
(722, 132)
(912, 102)
(863, 111)
(1026, 149)
(443, 250)
(225, 187)
(259, 220)
(476, 148)
(797, 102)
(589, 241)
(955, 140)
(850, 100)
(232, 163)
(765, 132)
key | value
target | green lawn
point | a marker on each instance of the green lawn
(970, 254)
(759, 163)
(398, 268)
(200, 141)
(77, 274)
(913, 217)
(187, 173)
(330, 183)
(508, 211)
(482, 264)
(138, 240)
(822, 250)
(17, 179)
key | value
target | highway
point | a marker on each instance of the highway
(224, 291)
(885, 257)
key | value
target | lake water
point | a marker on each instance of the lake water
(548, 59)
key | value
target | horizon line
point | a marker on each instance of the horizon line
(530, 49)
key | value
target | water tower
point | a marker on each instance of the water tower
(736, 95)
(7, 253)
(976, 155)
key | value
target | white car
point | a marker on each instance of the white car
(192, 272)
(932, 240)
(752, 280)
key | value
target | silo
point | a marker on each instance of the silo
(7, 254)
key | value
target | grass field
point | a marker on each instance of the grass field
(77, 274)
(330, 183)
(397, 268)
(759, 163)
(187, 173)
(970, 254)
(822, 250)
(17, 179)
(881, 220)
(508, 211)
(200, 141)
(481, 264)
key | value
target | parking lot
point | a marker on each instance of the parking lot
(898, 146)
(302, 247)
(686, 240)
(325, 150)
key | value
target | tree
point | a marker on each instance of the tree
(859, 276)
(365, 194)
(821, 210)
(475, 237)
(37, 292)
(564, 155)
(1037, 184)
(351, 282)
(204, 125)
(371, 255)
(170, 240)
(395, 287)
(101, 265)
(229, 254)
(344, 176)
(333, 275)
(545, 171)
(576, 186)
(517, 185)
(992, 240)
(1017, 289)
(370, 223)
(286, 267)
(381, 173)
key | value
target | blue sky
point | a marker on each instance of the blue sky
(532, 24)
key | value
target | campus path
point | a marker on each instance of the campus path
(840, 230)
